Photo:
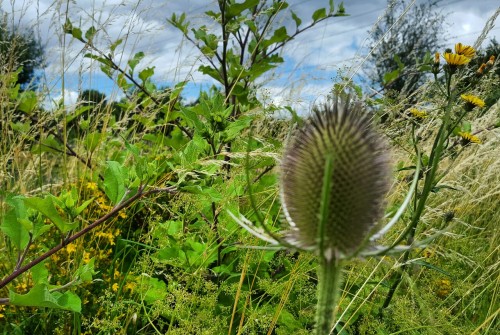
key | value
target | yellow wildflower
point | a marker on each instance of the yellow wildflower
(91, 186)
(418, 113)
(86, 257)
(130, 286)
(70, 248)
(468, 137)
(22, 287)
(115, 287)
(465, 50)
(116, 274)
(2, 308)
(456, 59)
(472, 100)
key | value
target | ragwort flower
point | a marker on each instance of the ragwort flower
(467, 138)
(418, 114)
(472, 101)
(465, 50)
(455, 59)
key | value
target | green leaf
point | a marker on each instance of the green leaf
(132, 63)
(86, 271)
(213, 194)
(47, 208)
(297, 19)
(77, 112)
(391, 76)
(49, 144)
(236, 127)
(82, 207)
(89, 34)
(115, 44)
(146, 73)
(92, 140)
(332, 7)
(235, 9)
(17, 233)
(152, 289)
(28, 102)
(319, 14)
(40, 274)
(114, 181)
(77, 33)
(40, 296)
(280, 35)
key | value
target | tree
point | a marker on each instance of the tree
(20, 48)
(399, 41)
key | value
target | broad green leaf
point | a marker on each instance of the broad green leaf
(152, 289)
(17, 233)
(27, 102)
(235, 9)
(280, 35)
(236, 127)
(319, 14)
(114, 181)
(40, 296)
(40, 274)
(47, 208)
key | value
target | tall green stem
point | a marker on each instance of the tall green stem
(330, 278)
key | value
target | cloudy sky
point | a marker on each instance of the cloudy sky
(312, 60)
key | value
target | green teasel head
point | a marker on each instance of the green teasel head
(339, 132)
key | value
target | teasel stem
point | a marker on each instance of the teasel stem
(330, 279)
(330, 269)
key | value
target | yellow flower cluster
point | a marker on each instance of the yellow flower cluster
(2, 309)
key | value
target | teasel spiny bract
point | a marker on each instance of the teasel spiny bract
(358, 181)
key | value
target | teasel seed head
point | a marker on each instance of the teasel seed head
(359, 181)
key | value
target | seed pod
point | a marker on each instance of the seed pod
(359, 183)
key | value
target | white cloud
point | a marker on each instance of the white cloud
(312, 58)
